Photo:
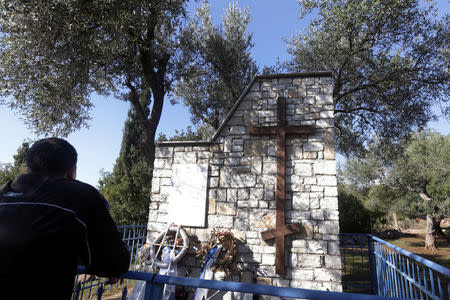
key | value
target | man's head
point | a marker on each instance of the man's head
(52, 156)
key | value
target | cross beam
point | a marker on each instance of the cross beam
(281, 131)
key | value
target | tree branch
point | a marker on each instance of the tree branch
(134, 99)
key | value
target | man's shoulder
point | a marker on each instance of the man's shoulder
(70, 185)
(78, 190)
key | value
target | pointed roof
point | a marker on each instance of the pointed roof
(239, 100)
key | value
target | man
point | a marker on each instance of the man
(50, 222)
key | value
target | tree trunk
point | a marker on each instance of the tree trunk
(437, 227)
(395, 221)
(430, 237)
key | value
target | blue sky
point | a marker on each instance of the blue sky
(98, 146)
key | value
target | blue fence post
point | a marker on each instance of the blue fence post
(153, 290)
(372, 266)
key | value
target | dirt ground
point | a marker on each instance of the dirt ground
(413, 240)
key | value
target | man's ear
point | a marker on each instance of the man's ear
(71, 173)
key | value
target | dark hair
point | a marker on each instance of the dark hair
(51, 156)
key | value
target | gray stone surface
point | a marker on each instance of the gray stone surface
(242, 180)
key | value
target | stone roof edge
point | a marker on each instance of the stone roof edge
(264, 76)
(183, 143)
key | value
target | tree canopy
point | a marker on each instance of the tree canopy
(10, 171)
(218, 63)
(389, 61)
(419, 174)
(55, 54)
(127, 187)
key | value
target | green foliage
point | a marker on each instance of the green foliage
(389, 61)
(11, 171)
(353, 216)
(218, 64)
(424, 169)
(201, 133)
(127, 187)
(55, 54)
(414, 183)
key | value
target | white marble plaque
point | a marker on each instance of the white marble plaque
(187, 200)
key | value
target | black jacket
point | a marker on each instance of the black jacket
(49, 225)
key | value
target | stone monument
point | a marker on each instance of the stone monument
(269, 175)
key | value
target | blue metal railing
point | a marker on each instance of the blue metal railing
(134, 237)
(400, 273)
(155, 285)
(369, 265)
(372, 265)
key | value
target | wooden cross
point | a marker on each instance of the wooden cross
(281, 131)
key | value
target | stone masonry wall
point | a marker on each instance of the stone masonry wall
(241, 184)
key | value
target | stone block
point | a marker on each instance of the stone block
(325, 123)
(221, 195)
(298, 244)
(243, 194)
(301, 201)
(323, 99)
(266, 271)
(316, 188)
(327, 275)
(240, 180)
(225, 208)
(331, 214)
(310, 180)
(217, 221)
(317, 214)
(285, 81)
(238, 130)
(267, 179)
(231, 161)
(252, 234)
(268, 259)
(326, 114)
(264, 280)
(313, 146)
(256, 147)
(232, 195)
(312, 91)
(326, 180)
(269, 167)
(162, 173)
(253, 95)
(310, 285)
(330, 237)
(159, 163)
(329, 203)
(185, 158)
(325, 167)
(163, 152)
(213, 182)
(303, 274)
(211, 206)
(305, 170)
(317, 247)
(333, 248)
(263, 220)
(333, 262)
(309, 261)
(155, 186)
(329, 227)
(332, 286)
(330, 191)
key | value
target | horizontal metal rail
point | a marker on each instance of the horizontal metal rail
(155, 281)
(401, 273)
(370, 265)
